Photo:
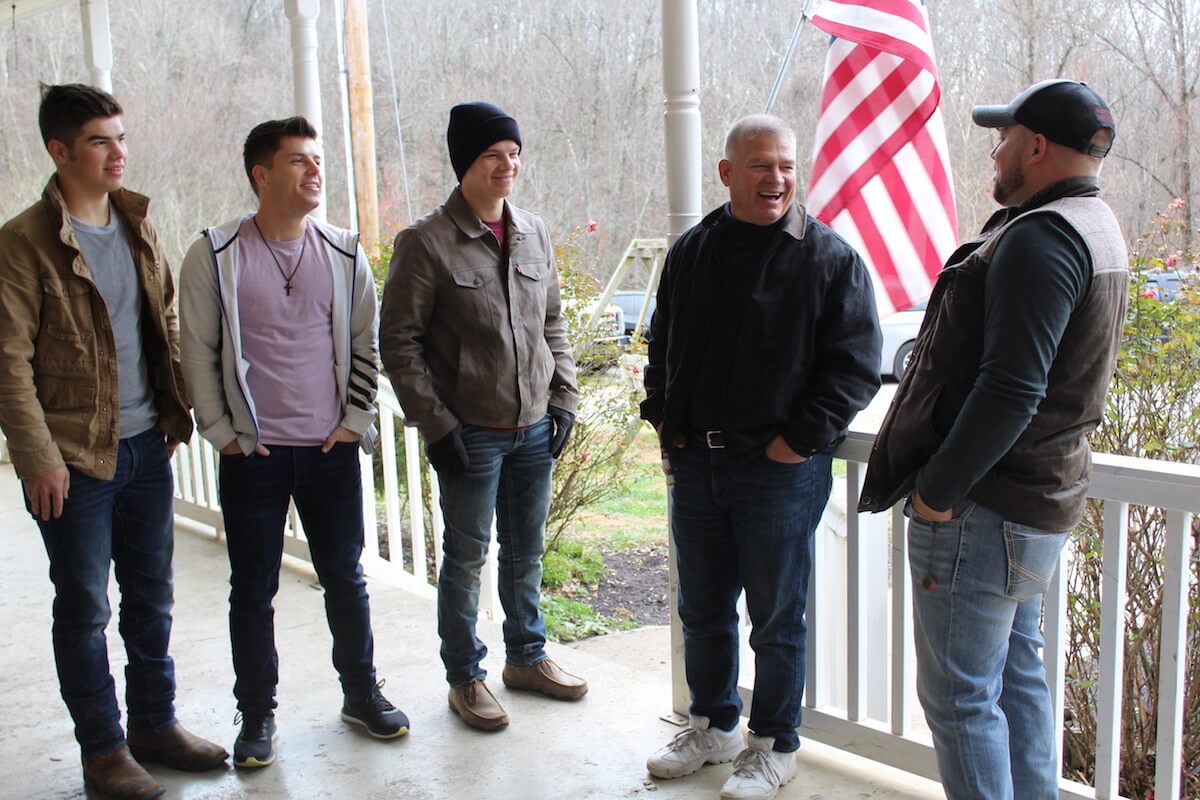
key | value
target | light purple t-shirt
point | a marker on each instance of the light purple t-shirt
(288, 339)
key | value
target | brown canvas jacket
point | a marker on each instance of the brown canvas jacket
(59, 399)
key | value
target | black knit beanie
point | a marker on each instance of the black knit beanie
(474, 127)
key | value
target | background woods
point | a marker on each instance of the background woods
(583, 79)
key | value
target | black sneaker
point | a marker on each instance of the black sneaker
(254, 746)
(373, 711)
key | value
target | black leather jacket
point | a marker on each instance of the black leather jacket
(806, 353)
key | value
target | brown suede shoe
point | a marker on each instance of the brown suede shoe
(477, 706)
(176, 747)
(546, 677)
(116, 776)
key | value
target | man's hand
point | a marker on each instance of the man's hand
(48, 492)
(340, 434)
(925, 512)
(779, 451)
(234, 449)
(680, 439)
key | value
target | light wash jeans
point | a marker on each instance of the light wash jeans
(980, 675)
(509, 476)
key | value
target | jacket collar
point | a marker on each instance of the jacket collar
(1079, 186)
(131, 205)
(464, 217)
(795, 220)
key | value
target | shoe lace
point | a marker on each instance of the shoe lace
(690, 742)
(756, 764)
(378, 702)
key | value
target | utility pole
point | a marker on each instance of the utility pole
(362, 122)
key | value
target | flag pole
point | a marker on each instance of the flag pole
(787, 57)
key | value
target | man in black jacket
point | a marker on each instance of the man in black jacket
(748, 414)
(987, 435)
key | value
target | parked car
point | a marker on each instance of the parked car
(1166, 284)
(631, 303)
(899, 335)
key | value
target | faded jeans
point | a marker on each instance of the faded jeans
(508, 478)
(978, 634)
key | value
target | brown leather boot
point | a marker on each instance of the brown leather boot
(116, 776)
(176, 747)
(546, 677)
(477, 706)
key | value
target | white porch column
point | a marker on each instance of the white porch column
(97, 42)
(681, 86)
(306, 83)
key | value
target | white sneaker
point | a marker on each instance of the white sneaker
(759, 771)
(694, 747)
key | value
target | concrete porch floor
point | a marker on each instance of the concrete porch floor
(595, 748)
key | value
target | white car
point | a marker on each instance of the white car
(899, 335)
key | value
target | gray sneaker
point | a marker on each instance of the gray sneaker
(694, 747)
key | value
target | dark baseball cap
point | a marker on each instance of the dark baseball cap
(1064, 111)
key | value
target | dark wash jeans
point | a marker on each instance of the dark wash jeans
(746, 527)
(509, 478)
(327, 488)
(127, 521)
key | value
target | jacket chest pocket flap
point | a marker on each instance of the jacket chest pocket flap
(67, 310)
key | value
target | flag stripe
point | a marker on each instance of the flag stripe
(881, 173)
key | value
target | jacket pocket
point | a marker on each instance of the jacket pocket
(530, 290)
(67, 310)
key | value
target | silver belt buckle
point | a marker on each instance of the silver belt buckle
(710, 436)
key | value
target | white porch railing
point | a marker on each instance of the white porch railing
(860, 693)
(398, 540)
(861, 690)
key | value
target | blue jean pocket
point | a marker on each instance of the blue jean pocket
(1032, 558)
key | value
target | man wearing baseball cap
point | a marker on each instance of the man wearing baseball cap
(473, 339)
(987, 437)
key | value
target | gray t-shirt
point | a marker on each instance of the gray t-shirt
(107, 253)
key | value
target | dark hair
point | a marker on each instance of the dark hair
(67, 107)
(263, 142)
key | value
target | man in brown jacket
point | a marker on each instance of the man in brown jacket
(92, 405)
(473, 339)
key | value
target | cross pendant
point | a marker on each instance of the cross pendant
(288, 287)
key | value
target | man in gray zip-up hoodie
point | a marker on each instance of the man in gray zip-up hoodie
(277, 317)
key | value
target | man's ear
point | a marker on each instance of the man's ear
(259, 173)
(1039, 147)
(723, 167)
(58, 151)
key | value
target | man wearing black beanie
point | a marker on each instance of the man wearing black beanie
(472, 336)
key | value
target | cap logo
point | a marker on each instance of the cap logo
(1104, 115)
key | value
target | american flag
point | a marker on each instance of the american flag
(881, 171)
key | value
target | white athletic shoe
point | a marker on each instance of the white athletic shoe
(759, 771)
(694, 747)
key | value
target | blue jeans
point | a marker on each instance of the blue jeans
(128, 521)
(327, 488)
(746, 527)
(509, 478)
(980, 675)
